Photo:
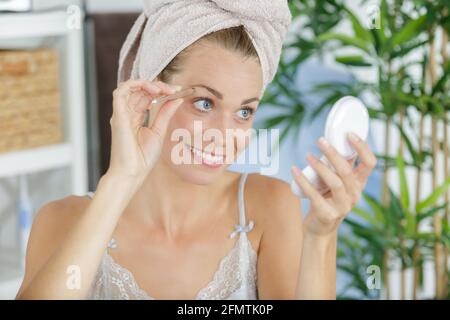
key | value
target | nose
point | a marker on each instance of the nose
(224, 133)
(216, 131)
(223, 123)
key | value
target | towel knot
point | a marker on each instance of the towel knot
(240, 228)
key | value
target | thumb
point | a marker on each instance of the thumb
(164, 115)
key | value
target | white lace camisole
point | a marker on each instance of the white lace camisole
(235, 277)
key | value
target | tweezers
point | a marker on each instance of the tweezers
(163, 99)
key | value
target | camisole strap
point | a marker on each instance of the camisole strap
(90, 194)
(242, 227)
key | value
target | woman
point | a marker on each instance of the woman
(157, 229)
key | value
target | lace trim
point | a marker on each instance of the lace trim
(116, 282)
(124, 280)
(227, 279)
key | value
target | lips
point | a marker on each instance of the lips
(207, 157)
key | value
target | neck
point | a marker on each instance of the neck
(172, 204)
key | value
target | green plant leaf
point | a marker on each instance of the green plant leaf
(366, 216)
(411, 29)
(440, 84)
(376, 206)
(409, 145)
(395, 210)
(344, 39)
(434, 196)
(404, 50)
(375, 113)
(289, 92)
(404, 197)
(377, 40)
(327, 103)
(360, 32)
(429, 237)
(384, 17)
(272, 122)
(404, 193)
(429, 213)
(410, 227)
(372, 235)
(353, 60)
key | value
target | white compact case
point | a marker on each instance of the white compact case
(347, 115)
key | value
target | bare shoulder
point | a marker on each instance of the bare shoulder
(279, 214)
(50, 225)
(272, 199)
(59, 215)
(53, 221)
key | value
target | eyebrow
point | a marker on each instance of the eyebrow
(220, 96)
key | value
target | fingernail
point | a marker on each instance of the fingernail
(324, 142)
(177, 88)
(353, 137)
(296, 171)
(311, 157)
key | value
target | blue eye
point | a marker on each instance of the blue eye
(204, 106)
(246, 113)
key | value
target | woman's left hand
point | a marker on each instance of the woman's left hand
(346, 185)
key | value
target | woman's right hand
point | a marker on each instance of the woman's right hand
(135, 148)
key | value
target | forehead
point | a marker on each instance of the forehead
(222, 69)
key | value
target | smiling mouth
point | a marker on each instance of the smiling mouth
(207, 157)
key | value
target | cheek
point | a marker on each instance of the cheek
(190, 124)
(181, 118)
(181, 124)
(186, 119)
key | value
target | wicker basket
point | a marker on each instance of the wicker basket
(30, 114)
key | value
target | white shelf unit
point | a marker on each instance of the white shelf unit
(36, 159)
(27, 30)
(10, 275)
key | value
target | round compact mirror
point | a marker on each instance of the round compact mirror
(347, 115)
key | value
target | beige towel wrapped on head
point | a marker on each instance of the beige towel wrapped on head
(166, 27)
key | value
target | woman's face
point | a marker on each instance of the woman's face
(216, 119)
